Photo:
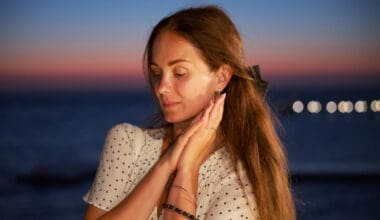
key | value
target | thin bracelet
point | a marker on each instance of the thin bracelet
(187, 192)
(179, 211)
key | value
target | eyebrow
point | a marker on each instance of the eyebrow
(171, 63)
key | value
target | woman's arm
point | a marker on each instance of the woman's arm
(140, 203)
(190, 149)
(142, 200)
(184, 189)
(182, 194)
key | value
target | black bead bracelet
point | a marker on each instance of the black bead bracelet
(179, 211)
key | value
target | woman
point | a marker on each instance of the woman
(217, 156)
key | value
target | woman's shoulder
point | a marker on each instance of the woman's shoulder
(124, 127)
(220, 160)
(128, 138)
(134, 131)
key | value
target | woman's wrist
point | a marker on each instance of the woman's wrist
(186, 177)
(164, 164)
(185, 184)
(189, 170)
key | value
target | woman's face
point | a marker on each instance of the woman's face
(182, 81)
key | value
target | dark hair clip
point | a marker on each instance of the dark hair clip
(258, 82)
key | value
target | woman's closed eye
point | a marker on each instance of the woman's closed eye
(156, 73)
(179, 72)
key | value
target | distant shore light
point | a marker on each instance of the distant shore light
(375, 105)
(314, 107)
(298, 106)
(345, 106)
(361, 106)
(331, 107)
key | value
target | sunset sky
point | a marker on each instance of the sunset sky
(99, 43)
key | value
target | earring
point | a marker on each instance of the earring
(217, 94)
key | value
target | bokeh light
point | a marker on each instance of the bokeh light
(361, 106)
(331, 107)
(375, 105)
(298, 106)
(345, 106)
(314, 107)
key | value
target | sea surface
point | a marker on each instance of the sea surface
(50, 143)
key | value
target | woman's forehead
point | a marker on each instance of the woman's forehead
(170, 47)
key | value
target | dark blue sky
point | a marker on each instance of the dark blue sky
(78, 40)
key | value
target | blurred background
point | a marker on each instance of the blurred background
(69, 70)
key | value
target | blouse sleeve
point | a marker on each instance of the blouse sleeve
(111, 182)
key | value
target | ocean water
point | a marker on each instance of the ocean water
(50, 143)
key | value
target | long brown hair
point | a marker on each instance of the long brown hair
(247, 123)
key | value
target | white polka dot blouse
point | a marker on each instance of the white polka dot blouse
(128, 154)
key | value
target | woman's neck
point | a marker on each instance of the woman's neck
(178, 128)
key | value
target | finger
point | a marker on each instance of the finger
(189, 131)
(195, 124)
(217, 112)
(207, 111)
(219, 103)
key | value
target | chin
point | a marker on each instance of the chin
(176, 118)
(171, 119)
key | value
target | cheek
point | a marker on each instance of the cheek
(198, 97)
(201, 102)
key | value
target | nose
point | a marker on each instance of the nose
(164, 85)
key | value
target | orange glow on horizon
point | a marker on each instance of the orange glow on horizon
(119, 69)
(73, 61)
(103, 66)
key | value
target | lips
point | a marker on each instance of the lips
(169, 104)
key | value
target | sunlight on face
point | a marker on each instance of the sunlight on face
(182, 81)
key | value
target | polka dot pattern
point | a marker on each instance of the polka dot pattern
(221, 192)
(128, 154)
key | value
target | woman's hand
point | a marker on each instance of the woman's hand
(175, 149)
(200, 143)
(194, 144)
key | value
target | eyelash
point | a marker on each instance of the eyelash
(179, 74)
(176, 74)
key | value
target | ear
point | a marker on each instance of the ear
(223, 75)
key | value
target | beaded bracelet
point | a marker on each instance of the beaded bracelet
(179, 211)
